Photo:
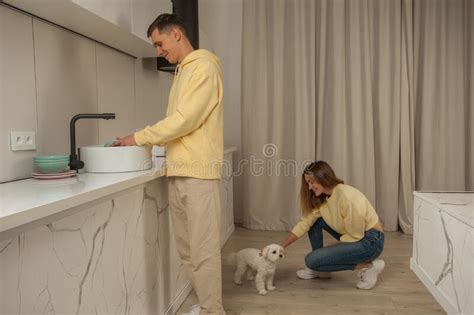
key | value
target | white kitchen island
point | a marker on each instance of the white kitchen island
(443, 253)
(95, 243)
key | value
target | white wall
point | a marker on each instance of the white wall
(220, 25)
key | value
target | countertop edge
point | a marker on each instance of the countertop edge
(16, 220)
(455, 214)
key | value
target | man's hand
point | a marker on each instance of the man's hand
(125, 141)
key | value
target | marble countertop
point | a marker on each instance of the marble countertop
(28, 200)
(457, 204)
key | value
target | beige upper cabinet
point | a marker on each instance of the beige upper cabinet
(144, 12)
(120, 24)
(117, 12)
(131, 15)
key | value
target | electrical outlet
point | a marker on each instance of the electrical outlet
(22, 140)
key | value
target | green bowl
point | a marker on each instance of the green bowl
(52, 161)
(51, 157)
(51, 166)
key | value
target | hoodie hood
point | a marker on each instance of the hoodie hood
(198, 54)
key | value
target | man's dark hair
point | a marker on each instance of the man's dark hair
(165, 21)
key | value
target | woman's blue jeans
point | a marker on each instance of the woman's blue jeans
(343, 255)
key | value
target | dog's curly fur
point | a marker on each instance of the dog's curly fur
(262, 262)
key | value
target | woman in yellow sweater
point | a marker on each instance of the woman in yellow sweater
(347, 215)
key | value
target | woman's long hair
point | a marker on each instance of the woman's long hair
(324, 175)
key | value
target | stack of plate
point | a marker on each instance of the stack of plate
(54, 175)
(52, 167)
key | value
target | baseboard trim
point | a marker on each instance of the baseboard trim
(437, 294)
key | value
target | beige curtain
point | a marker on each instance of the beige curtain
(406, 183)
(393, 110)
(363, 100)
(278, 109)
(444, 39)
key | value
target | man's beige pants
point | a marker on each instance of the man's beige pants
(195, 212)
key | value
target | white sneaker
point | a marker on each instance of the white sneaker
(194, 310)
(368, 276)
(307, 274)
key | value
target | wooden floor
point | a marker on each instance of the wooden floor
(398, 290)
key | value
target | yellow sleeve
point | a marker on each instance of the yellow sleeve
(200, 97)
(306, 223)
(354, 222)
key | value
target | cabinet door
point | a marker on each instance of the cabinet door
(226, 187)
(17, 91)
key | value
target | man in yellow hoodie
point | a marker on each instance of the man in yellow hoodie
(193, 134)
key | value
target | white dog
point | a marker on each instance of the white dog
(263, 262)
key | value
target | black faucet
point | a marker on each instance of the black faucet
(75, 162)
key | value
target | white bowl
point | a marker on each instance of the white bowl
(100, 159)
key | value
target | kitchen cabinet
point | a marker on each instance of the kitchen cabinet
(95, 243)
(133, 16)
(120, 24)
(443, 254)
(226, 188)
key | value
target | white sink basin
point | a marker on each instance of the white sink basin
(100, 159)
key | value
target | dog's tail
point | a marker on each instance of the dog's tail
(232, 259)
